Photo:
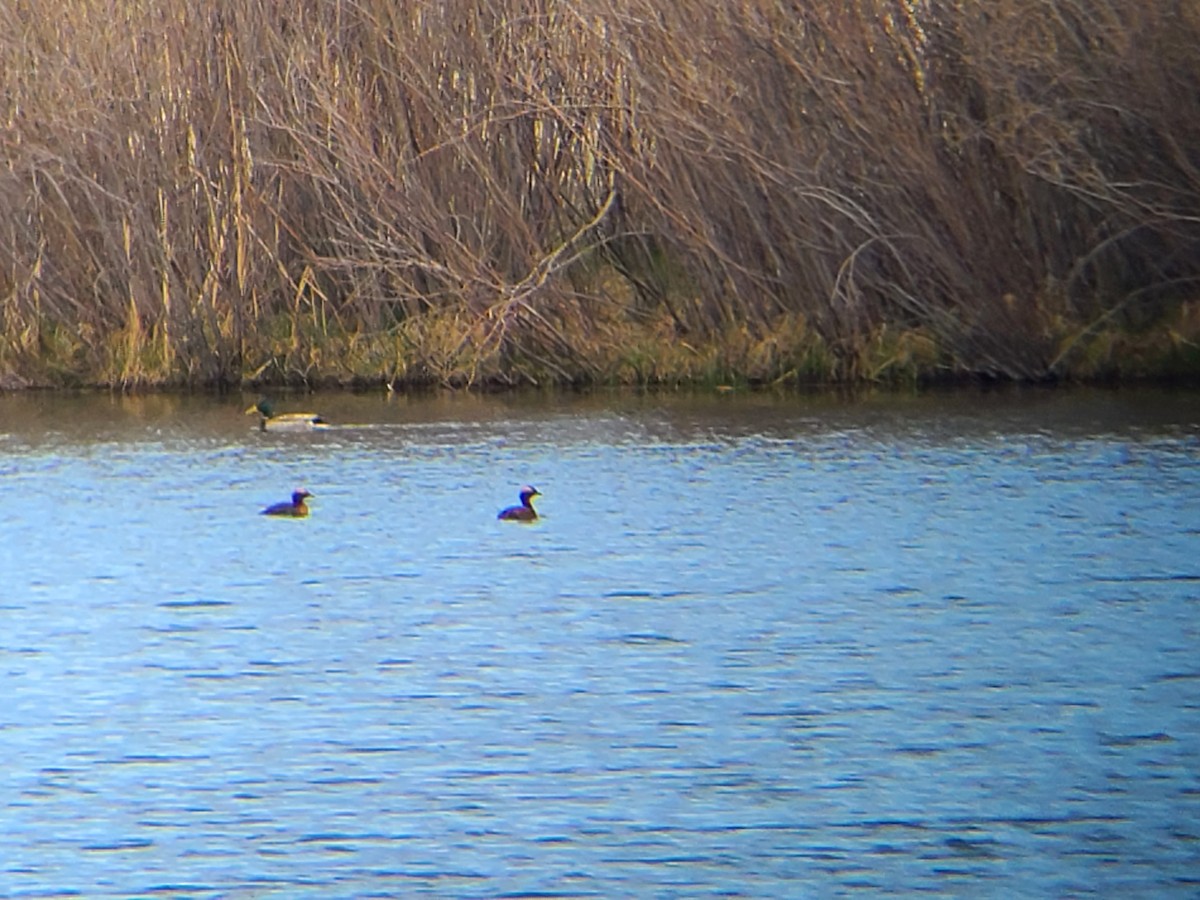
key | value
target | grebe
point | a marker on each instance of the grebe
(296, 508)
(525, 512)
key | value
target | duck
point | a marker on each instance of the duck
(297, 508)
(269, 420)
(525, 512)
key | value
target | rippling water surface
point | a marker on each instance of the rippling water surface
(757, 646)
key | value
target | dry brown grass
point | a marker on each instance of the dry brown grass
(511, 193)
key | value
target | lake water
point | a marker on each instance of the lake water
(757, 646)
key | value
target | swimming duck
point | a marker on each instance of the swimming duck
(296, 508)
(525, 512)
(269, 420)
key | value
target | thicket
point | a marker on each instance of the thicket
(232, 191)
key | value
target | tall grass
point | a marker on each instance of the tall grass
(502, 192)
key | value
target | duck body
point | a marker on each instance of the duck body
(525, 512)
(296, 508)
(269, 420)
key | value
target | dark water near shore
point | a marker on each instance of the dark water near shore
(757, 646)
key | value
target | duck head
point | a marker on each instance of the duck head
(263, 407)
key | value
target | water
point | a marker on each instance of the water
(756, 647)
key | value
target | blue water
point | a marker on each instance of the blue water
(757, 646)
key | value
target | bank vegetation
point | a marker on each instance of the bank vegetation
(491, 192)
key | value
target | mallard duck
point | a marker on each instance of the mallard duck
(269, 420)
(296, 508)
(525, 512)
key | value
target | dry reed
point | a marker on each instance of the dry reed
(565, 192)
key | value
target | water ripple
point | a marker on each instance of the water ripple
(938, 649)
